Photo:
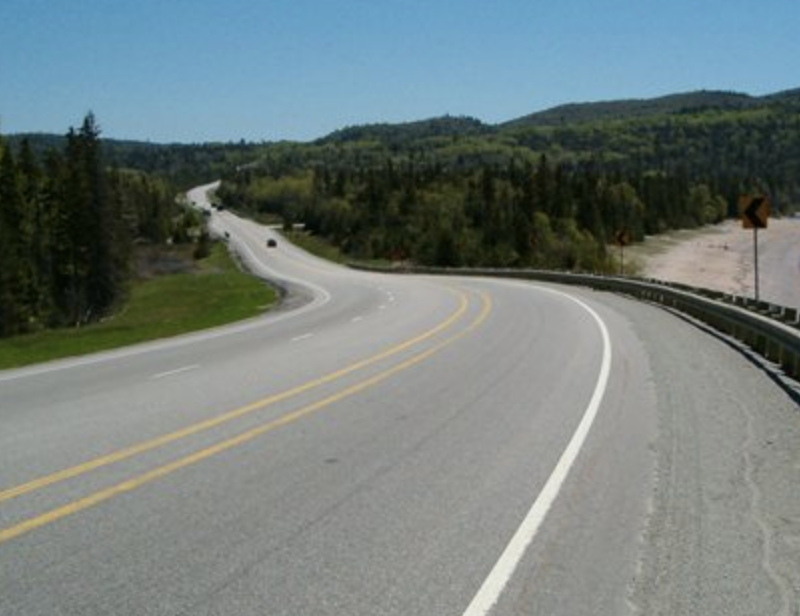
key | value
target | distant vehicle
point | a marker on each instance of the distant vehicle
(272, 243)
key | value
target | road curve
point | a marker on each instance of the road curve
(402, 445)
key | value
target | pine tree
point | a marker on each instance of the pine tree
(94, 248)
(15, 265)
(37, 233)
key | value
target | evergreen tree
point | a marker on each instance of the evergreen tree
(96, 249)
(66, 229)
(38, 234)
(14, 265)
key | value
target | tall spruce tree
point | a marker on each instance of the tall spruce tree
(15, 264)
(93, 245)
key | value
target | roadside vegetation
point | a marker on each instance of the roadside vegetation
(70, 226)
(551, 190)
(94, 256)
(325, 249)
(200, 294)
(316, 246)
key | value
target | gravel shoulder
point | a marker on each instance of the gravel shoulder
(723, 535)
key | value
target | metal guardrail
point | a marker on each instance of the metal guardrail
(770, 330)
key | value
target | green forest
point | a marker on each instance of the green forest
(549, 190)
(68, 228)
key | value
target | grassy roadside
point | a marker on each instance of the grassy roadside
(316, 246)
(216, 293)
(325, 250)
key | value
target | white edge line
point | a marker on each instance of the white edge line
(302, 337)
(501, 573)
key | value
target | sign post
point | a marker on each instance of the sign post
(622, 238)
(755, 213)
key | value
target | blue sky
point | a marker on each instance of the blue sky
(266, 70)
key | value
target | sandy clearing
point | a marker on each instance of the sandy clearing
(721, 257)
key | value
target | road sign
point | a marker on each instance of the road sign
(622, 237)
(754, 211)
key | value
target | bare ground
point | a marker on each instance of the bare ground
(722, 257)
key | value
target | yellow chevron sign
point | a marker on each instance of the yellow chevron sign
(754, 211)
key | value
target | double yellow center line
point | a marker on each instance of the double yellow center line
(131, 484)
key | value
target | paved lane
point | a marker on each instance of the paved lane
(376, 451)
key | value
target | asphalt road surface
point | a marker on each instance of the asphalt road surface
(399, 445)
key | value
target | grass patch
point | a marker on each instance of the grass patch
(316, 246)
(324, 249)
(215, 293)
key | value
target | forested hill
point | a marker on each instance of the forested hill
(700, 134)
(674, 104)
(550, 189)
(183, 165)
(610, 130)
(445, 126)
(652, 109)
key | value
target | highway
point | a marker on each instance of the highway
(402, 445)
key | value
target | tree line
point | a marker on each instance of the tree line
(522, 214)
(68, 228)
(549, 190)
(542, 191)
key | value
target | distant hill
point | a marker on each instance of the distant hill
(787, 96)
(184, 164)
(444, 126)
(707, 103)
(568, 115)
(706, 135)
(40, 142)
(690, 102)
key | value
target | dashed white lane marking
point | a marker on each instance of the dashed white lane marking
(162, 375)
